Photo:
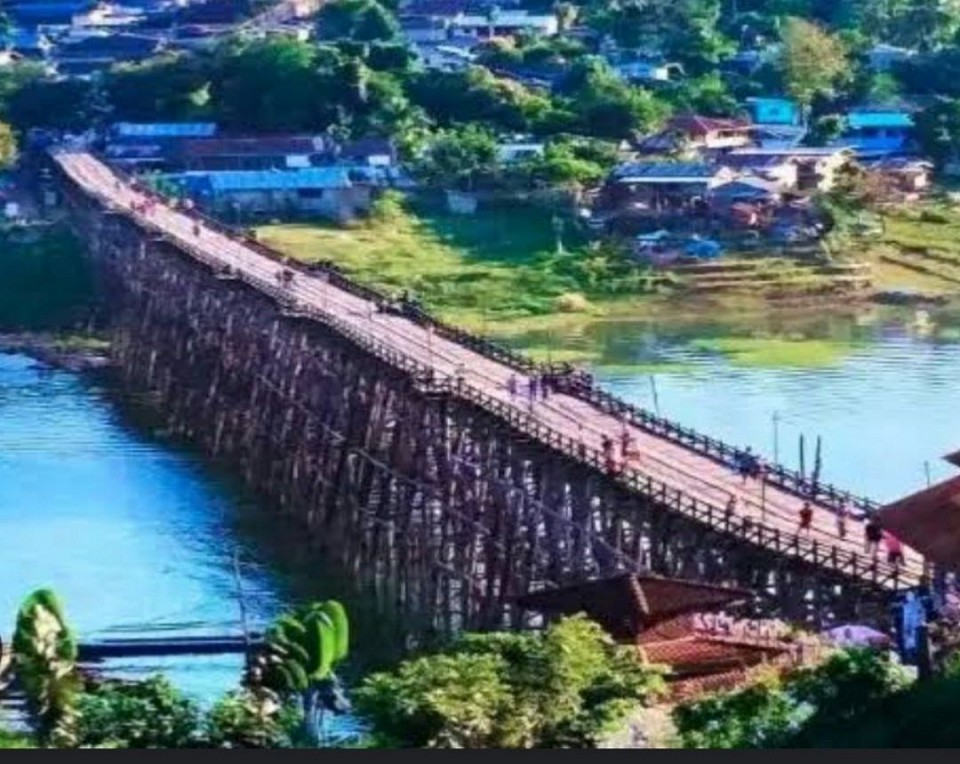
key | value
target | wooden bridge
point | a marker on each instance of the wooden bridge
(663, 508)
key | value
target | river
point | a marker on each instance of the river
(133, 534)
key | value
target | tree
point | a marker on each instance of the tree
(807, 707)
(459, 157)
(814, 62)
(362, 20)
(57, 104)
(8, 146)
(145, 714)
(44, 658)
(938, 130)
(168, 87)
(302, 649)
(561, 688)
(605, 106)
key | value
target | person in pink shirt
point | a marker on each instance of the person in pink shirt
(894, 549)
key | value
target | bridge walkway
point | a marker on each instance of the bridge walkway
(696, 479)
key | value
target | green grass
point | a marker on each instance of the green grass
(775, 351)
(496, 265)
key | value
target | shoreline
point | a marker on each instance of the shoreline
(70, 352)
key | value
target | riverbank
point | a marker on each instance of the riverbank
(72, 352)
(499, 273)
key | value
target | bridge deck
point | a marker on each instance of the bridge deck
(701, 480)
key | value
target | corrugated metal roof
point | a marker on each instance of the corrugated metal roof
(165, 129)
(270, 180)
(673, 170)
(862, 119)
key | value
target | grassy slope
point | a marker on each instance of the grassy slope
(499, 265)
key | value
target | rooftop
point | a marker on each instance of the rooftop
(164, 129)
(698, 125)
(270, 180)
(254, 146)
(676, 171)
(627, 604)
(876, 118)
(794, 151)
(928, 521)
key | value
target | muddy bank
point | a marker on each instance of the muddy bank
(70, 352)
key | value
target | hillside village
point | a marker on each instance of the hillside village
(678, 154)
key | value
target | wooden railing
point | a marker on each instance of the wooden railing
(782, 543)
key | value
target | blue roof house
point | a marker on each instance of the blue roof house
(875, 132)
(773, 111)
(324, 191)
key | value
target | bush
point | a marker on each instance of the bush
(148, 714)
(562, 688)
(806, 708)
(248, 719)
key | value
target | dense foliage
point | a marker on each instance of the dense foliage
(562, 688)
(47, 283)
(802, 709)
(146, 714)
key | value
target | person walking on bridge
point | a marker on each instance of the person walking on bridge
(894, 549)
(843, 513)
(512, 386)
(733, 505)
(873, 533)
(806, 519)
(532, 388)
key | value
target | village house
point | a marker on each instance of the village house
(453, 55)
(907, 177)
(54, 14)
(107, 16)
(661, 186)
(151, 144)
(518, 148)
(324, 191)
(884, 57)
(27, 43)
(693, 134)
(774, 111)
(814, 169)
(423, 29)
(366, 152)
(645, 71)
(101, 50)
(877, 130)
(255, 153)
(497, 23)
(778, 168)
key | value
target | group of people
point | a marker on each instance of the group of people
(750, 466)
(538, 387)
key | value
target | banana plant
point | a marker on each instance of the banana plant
(45, 662)
(301, 650)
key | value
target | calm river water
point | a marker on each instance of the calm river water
(132, 534)
(135, 533)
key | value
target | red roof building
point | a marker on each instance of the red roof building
(928, 521)
(661, 617)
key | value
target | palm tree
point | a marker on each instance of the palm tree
(45, 661)
(301, 650)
